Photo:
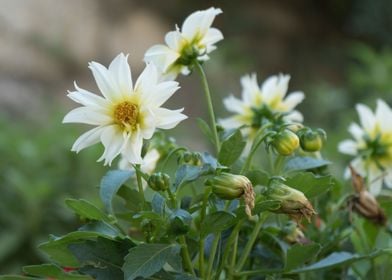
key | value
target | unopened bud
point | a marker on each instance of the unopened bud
(159, 181)
(229, 186)
(292, 202)
(312, 140)
(192, 158)
(293, 234)
(285, 142)
(180, 222)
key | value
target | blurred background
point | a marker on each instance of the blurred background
(338, 52)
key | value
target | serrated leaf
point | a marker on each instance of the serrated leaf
(57, 247)
(304, 163)
(205, 128)
(147, 259)
(297, 255)
(231, 148)
(52, 271)
(86, 209)
(110, 184)
(216, 222)
(102, 258)
(310, 184)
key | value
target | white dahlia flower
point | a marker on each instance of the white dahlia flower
(127, 113)
(193, 42)
(372, 145)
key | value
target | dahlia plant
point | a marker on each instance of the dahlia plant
(262, 205)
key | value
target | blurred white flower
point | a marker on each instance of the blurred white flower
(372, 145)
(148, 166)
(127, 113)
(260, 104)
(194, 41)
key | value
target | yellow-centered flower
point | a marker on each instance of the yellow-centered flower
(127, 113)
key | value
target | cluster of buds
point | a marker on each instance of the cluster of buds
(229, 186)
(364, 202)
(289, 138)
(293, 234)
(292, 202)
(159, 181)
(191, 158)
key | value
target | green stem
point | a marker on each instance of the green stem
(232, 238)
(168, 157)
(212, 256)
(172, 197)
(233, 255)
(139, 183)
(209, 105)
(186, 256)
(278, 164)
(251, 241)
(201, 238)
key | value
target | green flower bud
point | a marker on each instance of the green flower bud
(285, 142)
(230, 186)
(159, 181)
(192, 158)
(293, 202)
(312, 141)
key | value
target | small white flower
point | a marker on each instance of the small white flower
(127, 113)
(372, 145)
(148, 166)
(194, 41)
(259, 104)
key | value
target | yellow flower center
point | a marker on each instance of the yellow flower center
(126, 114)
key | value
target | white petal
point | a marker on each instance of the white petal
(293, 99)
(124, 164)
(105, 81)
(366, 117)
(174, 40)
(388, 178)
(167, 119)
(384, 115)
(121, 73)
(147, 79)
(162, 92)
(133, 148)
(87, 98)
(87, 115)
(231, 122)
(198, 23)
(294, 116)
(113, 141)
(275, 88)
(348, 147)
(162, 56)
(148, 125)
(250, 89)
(375, 180)
(234, 104)
(87, 139)
(150, 161)
(356, 131)
(212, 37)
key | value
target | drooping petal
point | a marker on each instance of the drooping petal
(121, 73)
(150, 161)
(148, 124)
(198, 23)
(106, 84)
(366, 117)
(384, 115)
(87, 139)
(294, 116)
(348, 147)
(113, 141)
(212, 36)
(375, 180)
(167, 119)
(133, 148)
(87, 115)
(162, 56)
(231, 122)
(233, 104)
(356, 131)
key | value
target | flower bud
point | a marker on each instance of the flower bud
(292, 202)
(159, 181)
(229, 186)
(312, 141)
(285, 142)
(180, 222)
(192, 158)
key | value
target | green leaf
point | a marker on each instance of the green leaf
(231, 148)
(188, 173)
(147, 259)
(216, 222)
(205, 128)
(86, 209)
(297, 255)
(311, 185)
(261, 206)
(110, 184)
(103, 258)
(57, 247)
(52, 271)
(304, 163)
(133, 199)
(158, 204)
(100, 227)
(258, 177)
(16, 277)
